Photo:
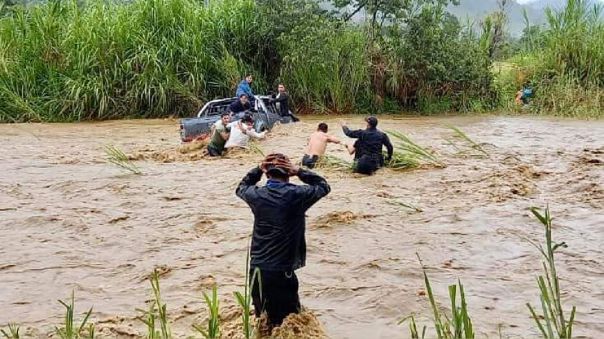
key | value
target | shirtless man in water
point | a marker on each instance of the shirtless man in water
(317, 143)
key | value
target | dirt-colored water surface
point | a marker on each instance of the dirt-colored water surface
(69, 220)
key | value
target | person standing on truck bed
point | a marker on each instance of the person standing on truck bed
(317, 143)
(245, 87)
(241, 105)
(368, 147)
(281, 100)
(219, 135)
(278, 243)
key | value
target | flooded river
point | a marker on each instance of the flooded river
(69, 220)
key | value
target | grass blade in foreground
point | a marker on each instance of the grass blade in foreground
(13, 331)
(157, 311)
(245, 300)
(213, 328)
(458, 326)
(554, 324)
(69, 331)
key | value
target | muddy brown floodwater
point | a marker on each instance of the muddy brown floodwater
(71, 221)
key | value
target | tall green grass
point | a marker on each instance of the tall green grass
(70, 330)
(552, 323)
(566, 67)
(65, 60)
(245, 299)
(456, 326)
(157, 313)
(212, 330)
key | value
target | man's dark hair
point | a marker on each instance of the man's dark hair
(372, 121)
(247, 118)
(225, 114)
(322, 127)
(242, 95)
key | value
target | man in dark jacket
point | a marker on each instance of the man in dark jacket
(281, 100)
(241, 105)
(278, 243)
(368, 147)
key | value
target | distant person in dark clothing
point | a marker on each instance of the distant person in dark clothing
(281, 100)
(241, 105)
(278, 242)
(368, 147)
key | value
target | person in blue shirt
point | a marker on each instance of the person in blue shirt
(244, 87)
(523, 95)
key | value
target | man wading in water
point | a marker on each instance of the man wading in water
(317, 143)
(368, 147)
(278, 243)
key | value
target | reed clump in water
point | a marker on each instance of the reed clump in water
(157, 313)
(334, 163)
(473, 144)
(408, 154)
(457, 326)
(212, 330)
(70, 330)
(551, 323)
(12, 332)
(120, 159)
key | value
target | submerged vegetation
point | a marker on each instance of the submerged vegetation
(12, 332)
(551, 324)
(70, 330)
(117, 157)
(76, 60)
(458, 324)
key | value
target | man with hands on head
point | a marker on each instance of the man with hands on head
(278, 243)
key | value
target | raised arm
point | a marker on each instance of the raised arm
(316, 188)
(247, 187)
(352, 134)
(386, 142)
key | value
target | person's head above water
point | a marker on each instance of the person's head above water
(322, 127)
(247, 119)
(244, 98)
(225, 117)
(371, 122)
(277, 166)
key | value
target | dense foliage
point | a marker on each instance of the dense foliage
(73, 60)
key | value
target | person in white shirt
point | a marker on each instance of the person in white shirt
(241, 132)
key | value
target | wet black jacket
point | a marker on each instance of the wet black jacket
(370, 142)
(237, 106)
(278, 242)
(283, 100)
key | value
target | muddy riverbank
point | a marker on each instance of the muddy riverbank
(70, 220)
